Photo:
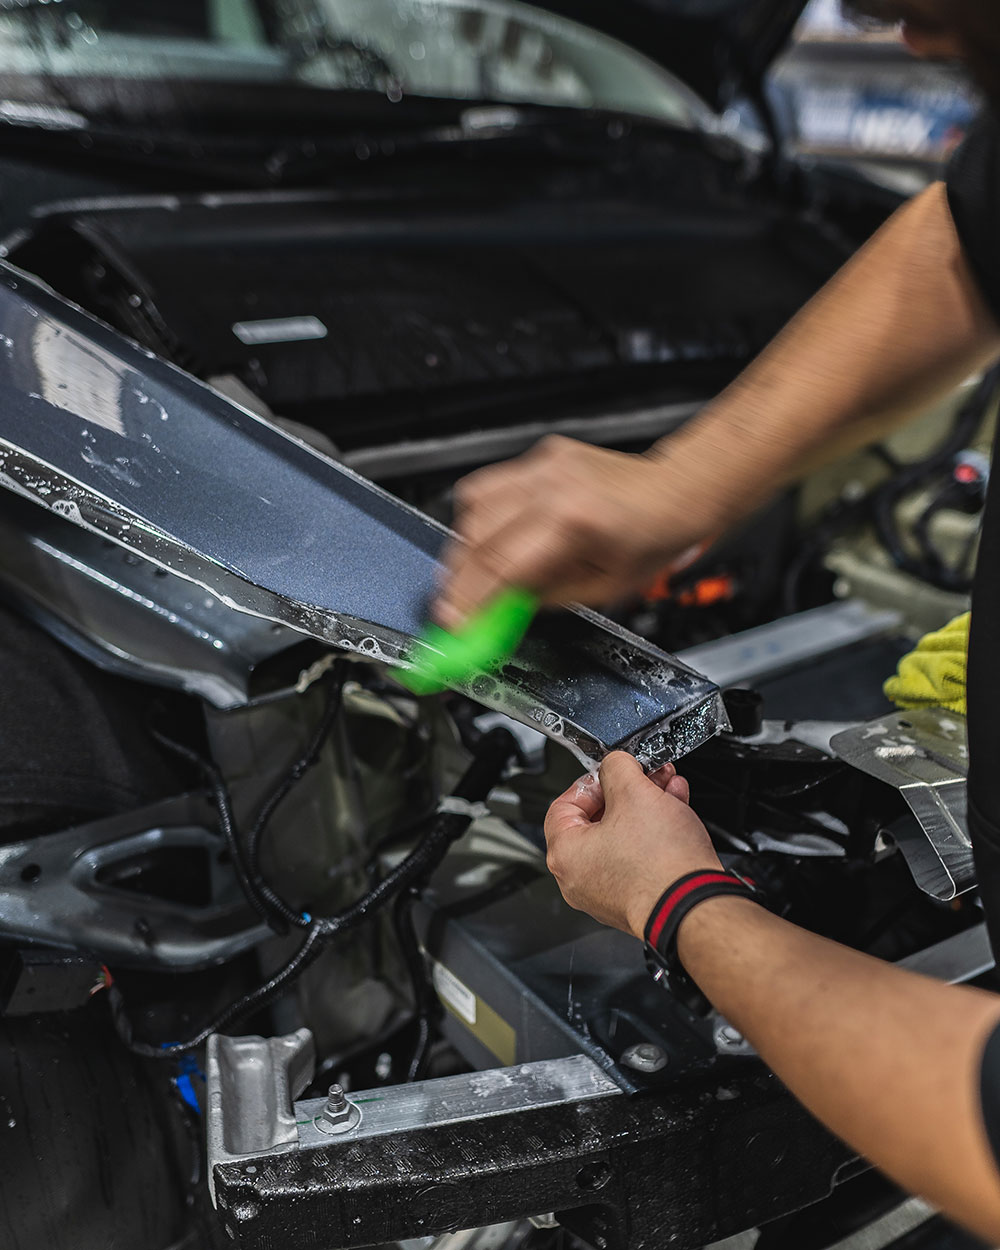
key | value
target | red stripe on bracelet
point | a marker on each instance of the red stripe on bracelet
(672, 899)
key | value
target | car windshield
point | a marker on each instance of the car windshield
(497, 51)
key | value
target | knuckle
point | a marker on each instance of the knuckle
(574, 515)
(612, 762)
(553, 445)
(468, 492)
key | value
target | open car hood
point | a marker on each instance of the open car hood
(720, 48)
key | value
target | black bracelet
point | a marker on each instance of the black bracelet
(664, 921)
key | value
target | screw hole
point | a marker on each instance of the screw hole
(30, 872)
(593, 1176)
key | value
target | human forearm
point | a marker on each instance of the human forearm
(899, 326)
(887, 1059)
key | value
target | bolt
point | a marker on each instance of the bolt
(339, 1115)
(337, 1112)
(644, 1057)
(729, 1038)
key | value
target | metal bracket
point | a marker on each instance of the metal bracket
(251, 1082)
(486, 1147)
(923, 754)
(61, 889)
(626, 1172)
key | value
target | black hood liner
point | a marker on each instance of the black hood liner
(450, 318)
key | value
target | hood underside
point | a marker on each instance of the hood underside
(720, 48)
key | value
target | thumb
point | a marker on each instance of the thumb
(621, 775)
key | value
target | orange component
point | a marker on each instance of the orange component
(708, 591)
(659, 587)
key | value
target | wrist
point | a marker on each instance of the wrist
(689, 895)
(707, 935)
(646, 898)
(695, 495)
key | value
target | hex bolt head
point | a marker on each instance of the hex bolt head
(729, 1038)
(644, 1057)
(339, 1115)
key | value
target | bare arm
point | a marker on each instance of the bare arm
(887, 1059)
(897, 327)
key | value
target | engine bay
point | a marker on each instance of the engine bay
(336, 884)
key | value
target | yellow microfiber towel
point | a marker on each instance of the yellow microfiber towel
(933, 673)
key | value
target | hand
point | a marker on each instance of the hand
(566, 520)
(615, 842)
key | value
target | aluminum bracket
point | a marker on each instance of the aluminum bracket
(923, 754)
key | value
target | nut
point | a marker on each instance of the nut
(644, 1057)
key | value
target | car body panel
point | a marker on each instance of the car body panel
(113, 438)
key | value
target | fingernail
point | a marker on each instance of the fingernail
(587, 783)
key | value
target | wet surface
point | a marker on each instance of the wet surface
(111, 437)
(202, 471)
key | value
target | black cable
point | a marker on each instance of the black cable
(301, 766)
(493, 752)
(265, 900)
(394, 837)
(886, 498)
(227, 824)
(881, 502)
(192, 1131)
(278, 907)
(302, 958)
(425, 1001)
(891, 462)
(921, 526)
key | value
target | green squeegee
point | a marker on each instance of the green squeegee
(484, 642)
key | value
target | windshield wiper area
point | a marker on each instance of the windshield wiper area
(499, 131)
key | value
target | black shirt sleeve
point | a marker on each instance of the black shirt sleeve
(973, 182)
(989, 1087)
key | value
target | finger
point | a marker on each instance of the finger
(491, 480)
(469, 491)
(493, 506)
(663, 775)
(587, 794)
(520, 554)
(679, 788)
(567, 813)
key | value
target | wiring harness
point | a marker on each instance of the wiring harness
(453, 816)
